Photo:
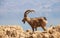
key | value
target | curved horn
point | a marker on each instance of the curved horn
(27, 12)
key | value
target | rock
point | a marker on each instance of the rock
(10, 31)
(16, 31)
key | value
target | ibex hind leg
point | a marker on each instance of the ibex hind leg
(36, 29)
(44, 28)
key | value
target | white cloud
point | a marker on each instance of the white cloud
(55, 1)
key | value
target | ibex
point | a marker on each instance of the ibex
(35, 22)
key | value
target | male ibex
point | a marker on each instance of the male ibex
(35, 22)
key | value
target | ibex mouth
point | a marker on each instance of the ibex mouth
(23, 21)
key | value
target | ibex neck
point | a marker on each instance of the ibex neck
(27, 18)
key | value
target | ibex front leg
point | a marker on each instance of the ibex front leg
(33, 29)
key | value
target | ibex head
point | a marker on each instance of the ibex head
(25, 15)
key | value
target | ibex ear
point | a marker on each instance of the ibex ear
(23, 21)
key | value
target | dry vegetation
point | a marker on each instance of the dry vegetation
(13, 31)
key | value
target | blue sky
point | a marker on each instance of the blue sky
(11, 11)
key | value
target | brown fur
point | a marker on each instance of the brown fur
(35, 22)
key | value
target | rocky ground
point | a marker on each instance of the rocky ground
(16, 31)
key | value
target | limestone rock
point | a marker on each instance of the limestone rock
(16, 31)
